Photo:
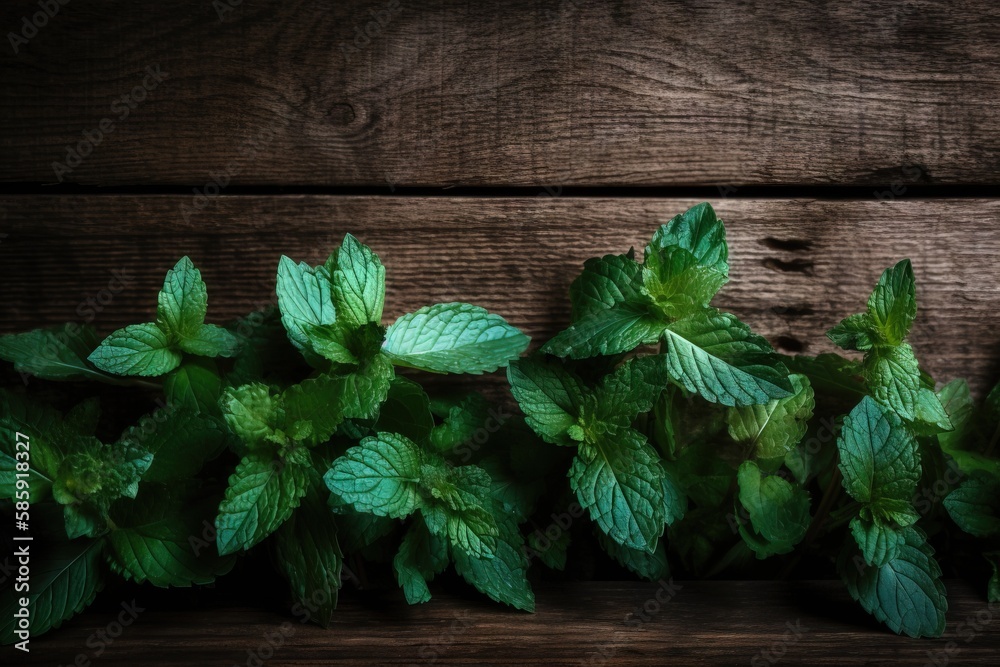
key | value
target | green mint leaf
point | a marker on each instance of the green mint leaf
(93, 475)
(252, 413)
(704, 476)
(183, 301)
(631, 389)
(717, 356)
(674, 497)
(893, 304)
(318, 402)
(180, 443)
(308, 555)
(619, 329)
(367, 388)
(332, 342)
(677, 283)
(58, 353)
(210, 340)
(358, 284)
(503, 577)
(906, 593)
(618, 479)
(64, 579)
(879, 542)
(138, 349)
(150, 542)
(84, 417)
(993, 587)
(975, 430)
(406, 411)
(82, 521)
(778, 510)
(461, 420)
(305, 299)
(43, 449)
(357, 531)
(931, 417)
(421, 556)
(194, 386)
(831, 374)
(453, 338)
(893, 376)
(552, 549)
(698, 231)
(853, 333)
(461, 508)
(649, 566)
(773, 429)
(260, 497)
(380, 476)
(549, 395)
(880, 462)
(604, 283)
(974, 505)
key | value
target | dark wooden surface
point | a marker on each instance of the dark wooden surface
(562, 92)
(887, 98)
(798, 266)
(597, 623)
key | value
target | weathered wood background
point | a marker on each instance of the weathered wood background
(595, 623)
(834, 138)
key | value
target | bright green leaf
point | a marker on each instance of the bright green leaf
(380, 476)
(358, 284)
(880, 462)
(717, 356)
(453, 338)
(906, 593)
(618, 479)
(138, 349)
(260, 497)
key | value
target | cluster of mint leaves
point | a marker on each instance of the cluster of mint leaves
(289, 431)
(684, 440)
(697, 444)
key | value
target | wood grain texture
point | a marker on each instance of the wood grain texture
(798, 266)
(597, 623)
(515, 92)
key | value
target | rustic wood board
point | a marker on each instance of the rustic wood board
(596, 623)
(798, 266)
(515, 93)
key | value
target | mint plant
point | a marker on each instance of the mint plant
(659, 434)
(233, 403)
(716, 453)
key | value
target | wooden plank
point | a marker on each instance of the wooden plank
(595, 623)
(798, 266)
(511, 93)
